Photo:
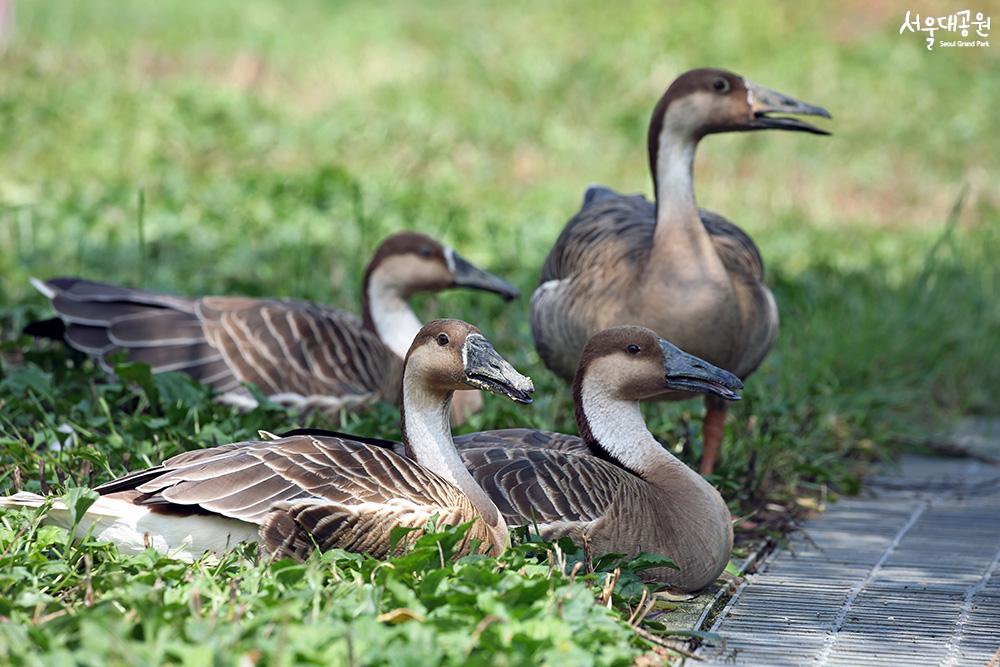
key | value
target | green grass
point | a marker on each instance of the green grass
(100, 608)
(272, 147)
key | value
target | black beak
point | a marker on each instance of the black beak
(466, 274)
(486, 369)
(686, 372)
(764, 101)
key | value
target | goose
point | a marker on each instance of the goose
(688, 274)
(300, 354)
(297, 493)
(615, 489)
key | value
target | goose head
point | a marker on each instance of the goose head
(410, 262)
(619, 368)
(446, 356)
(708, 101)
(450, 355)
(634, 364)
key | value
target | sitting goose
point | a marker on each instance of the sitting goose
(688, 274)
(298, 492)
(615, 488)
(298, 353)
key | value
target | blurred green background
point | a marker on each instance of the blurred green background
(276, 140)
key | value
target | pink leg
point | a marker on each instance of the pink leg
(713, 427)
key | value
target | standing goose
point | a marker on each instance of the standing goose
(299, 492)
(688, 274)
(615, 488)
(298, 353)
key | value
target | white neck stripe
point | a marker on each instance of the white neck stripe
(394, 321)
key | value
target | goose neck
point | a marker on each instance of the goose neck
(387, 312)
(615, 430)
(674, 176)
(426, 425)
(681, 245)
(689, 516)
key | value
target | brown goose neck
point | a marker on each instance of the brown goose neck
(612, 427)
(615, 431)
(366, 307)
(425, 420)
(385, 310)
(582, 410)
(680, 242)
(374, 281)
(671, 140)
(674, 175)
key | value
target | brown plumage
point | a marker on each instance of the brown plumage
(688, 274)
(614, 489)
(304, 492)
(301, 492)
(298, 353)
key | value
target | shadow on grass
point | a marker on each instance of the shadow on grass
(867, 358)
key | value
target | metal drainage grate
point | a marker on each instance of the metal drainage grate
(908, 575)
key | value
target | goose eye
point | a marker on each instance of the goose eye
(443, 339)
(721, 85)
(425, 252)
(633, 349)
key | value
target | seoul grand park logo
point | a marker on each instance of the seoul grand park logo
(960, 24)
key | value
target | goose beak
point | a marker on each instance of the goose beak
(764, 101)
(467, 274)
(686, 372)
(485, 369)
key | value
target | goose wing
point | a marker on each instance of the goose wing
(534, 485)
(303, 491)
(297, 352)
(301, 353)
(523, 438)
(737, 250)
(608, 227)
(581, 276)
(611, 223)
(613, 230)
(742, 260)
(158, 329)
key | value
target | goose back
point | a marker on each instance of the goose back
(305, 491)
(298, 353)
(569, 492)
(593, 279)
(523, 438)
